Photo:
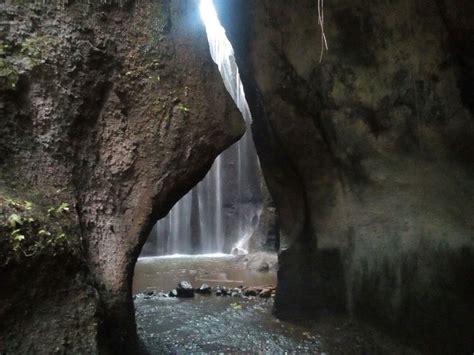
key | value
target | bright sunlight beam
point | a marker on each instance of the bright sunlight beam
(215, 32)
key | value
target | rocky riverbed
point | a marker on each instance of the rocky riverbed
(178, 313)
(162, 274)
(209, 324)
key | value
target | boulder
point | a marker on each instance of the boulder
(266, 293)
(185, 289)
(263, 267)
(239, 251)
(262, 262)
(222, 291)
(120, 140)
(205, 289)
(358, 175)
(236, 292)
(252, 291)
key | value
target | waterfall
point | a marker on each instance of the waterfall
(223, 210)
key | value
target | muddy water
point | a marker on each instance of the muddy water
(234, 325)
(163, 274)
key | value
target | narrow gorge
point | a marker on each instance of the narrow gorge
(236, 176)
(222, 212)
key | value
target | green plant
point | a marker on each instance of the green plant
(182, 108)
(36, 47)
(9, 74)
(18, 204)
(15, 220)
(63, 207)
(30, 229)
(17, 238)
(4, 48)
(44, 233)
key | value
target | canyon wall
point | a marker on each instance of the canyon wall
(223, 209)
(368, 156)
(117, 111)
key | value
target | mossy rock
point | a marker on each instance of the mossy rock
(37, 47)
(9, 75)
(16, 59)
(29, 230)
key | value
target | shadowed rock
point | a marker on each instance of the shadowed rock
(185, 290)
(120, 113)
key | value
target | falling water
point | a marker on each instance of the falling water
(223, 210)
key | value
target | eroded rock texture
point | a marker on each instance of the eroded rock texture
(368, 156)
(118, 111)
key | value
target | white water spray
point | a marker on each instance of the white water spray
(223, 55)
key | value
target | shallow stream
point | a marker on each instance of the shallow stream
(212, 324)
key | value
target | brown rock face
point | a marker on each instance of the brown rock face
(119, 111)
(368, 157)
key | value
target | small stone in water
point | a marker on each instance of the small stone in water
(205, 289)
(250, 292)
(263, 267)
(222, 291)
(266, 293)
(185, 289)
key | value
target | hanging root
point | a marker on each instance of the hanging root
(324, 43)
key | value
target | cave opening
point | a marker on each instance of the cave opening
(112, 111)
(218, 244)
(222, 213)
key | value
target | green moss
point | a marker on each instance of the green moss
(37, 47)
(9, 75)
(155, 79)
(182, 107)
(15, 60)
(29, 230)
(5, 48)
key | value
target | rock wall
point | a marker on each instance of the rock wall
(368, 156)
(229, 195)
(118, 111)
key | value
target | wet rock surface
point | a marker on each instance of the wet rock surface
(367, 153)
(267, 291)
(205, 289)
(227, 324)
(235, 318)
(185, 289)
(259, 261)
(107, 108)
(227, 273)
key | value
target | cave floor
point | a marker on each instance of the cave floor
(212, 324)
